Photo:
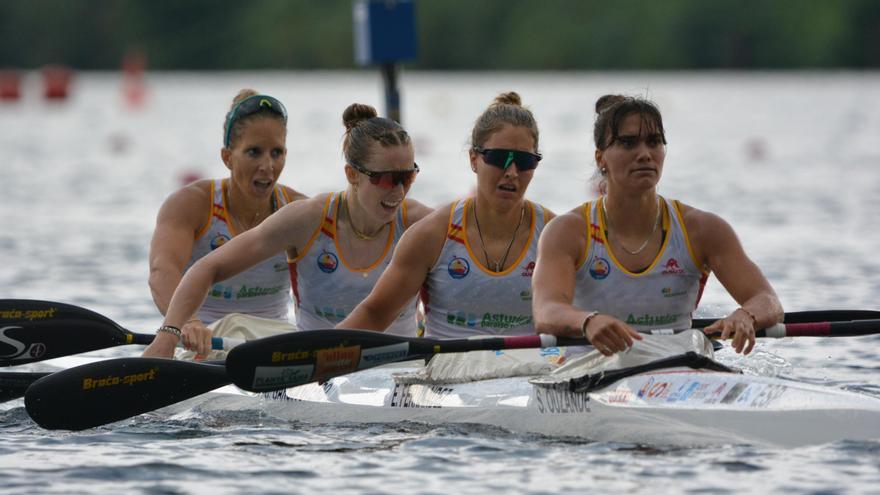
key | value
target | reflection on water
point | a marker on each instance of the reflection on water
(789, 160)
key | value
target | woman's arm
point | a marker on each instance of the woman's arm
(415, 254)
(560, 251)
(289, 227)
(181, 217)
(717, 245)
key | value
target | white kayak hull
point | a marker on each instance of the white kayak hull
(680, 407)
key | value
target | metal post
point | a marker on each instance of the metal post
(392, 94)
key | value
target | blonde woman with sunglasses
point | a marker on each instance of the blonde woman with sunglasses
(204, 215)
(337, 244)
(472, 259)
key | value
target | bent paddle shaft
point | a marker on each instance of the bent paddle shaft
(100, 393)
(33, 330)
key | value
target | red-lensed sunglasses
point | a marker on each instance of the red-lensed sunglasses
(390, 178)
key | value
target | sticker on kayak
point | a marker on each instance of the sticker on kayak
(274, 377)
(688, 391)
(552, 401)
(416, 395)
(336, 361)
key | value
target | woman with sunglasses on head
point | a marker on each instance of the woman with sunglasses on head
(473, 259)
(633, 260)
(204, 215)
(337, 244)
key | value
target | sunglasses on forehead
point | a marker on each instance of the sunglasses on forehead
(390, 178)
(502, 158)
(250, 106)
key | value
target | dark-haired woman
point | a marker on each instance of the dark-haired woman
(337, 244)
(633, 260)
(204, 215)
(473, 259)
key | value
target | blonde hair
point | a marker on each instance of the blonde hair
(507, 108)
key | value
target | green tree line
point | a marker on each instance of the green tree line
(452, 34)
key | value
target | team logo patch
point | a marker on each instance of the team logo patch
(328, 262)
(672, 268)
(529, 269)
(219, 240)
(458, 268)
(599, 268)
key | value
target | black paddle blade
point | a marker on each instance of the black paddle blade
(26, 341)
(18, 310)
(292, 359)
(14, 384)
(103, 392)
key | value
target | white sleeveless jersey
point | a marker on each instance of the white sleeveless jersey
(327, 289)
(463, 298)
(263, 290)
(663, 296)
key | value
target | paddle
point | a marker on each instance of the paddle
(106, 391)
(293, 359)
(99, 393)
(824, 315)
(64, 401)
(822, 329)
(14, 384)
(33, 330)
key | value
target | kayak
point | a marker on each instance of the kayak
(666, 405)
(665, 390)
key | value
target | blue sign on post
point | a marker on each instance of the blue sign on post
(385, 34)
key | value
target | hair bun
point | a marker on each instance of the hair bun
(242, 95)
(508, 98)
(607, 101)
(355, 113)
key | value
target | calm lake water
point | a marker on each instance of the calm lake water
(790, 160)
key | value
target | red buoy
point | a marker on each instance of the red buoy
(10, 85)
(56, 82)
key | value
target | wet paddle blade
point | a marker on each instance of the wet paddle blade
(107, 391)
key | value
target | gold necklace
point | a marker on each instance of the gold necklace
(498, 264)
(357, 233)
(651, 235)
(253, 222)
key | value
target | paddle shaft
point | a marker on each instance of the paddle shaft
(822, 329)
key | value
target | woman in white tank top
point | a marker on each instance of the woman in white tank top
(472, 260)
(632, 260)
(354, 230)
(205, 214)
